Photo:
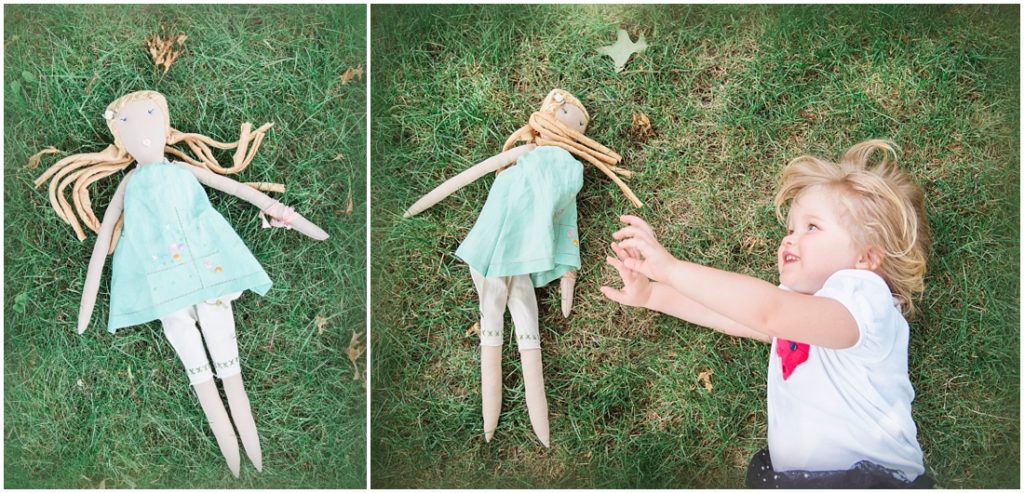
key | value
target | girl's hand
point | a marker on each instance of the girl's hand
(636, 287)
(646, 255)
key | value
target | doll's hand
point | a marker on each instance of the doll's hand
(282, 216)
(636, 287)
(645, 254)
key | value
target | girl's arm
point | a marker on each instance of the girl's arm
(254, 197)
(667, 300)
(99, 255)
(751, 302)
(638, 290)
(767, 308)
(468, 176)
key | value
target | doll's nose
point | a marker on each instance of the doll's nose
(146, 142)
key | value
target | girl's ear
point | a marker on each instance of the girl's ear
(870, 259)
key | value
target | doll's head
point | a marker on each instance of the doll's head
(561, 121)
(566, 109)
(561, 118)
(140, 125)
(879, 207)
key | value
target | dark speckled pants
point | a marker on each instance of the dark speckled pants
(864, 474)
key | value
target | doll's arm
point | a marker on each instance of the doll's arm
(254, 197)
(99, 255)
(468, 176)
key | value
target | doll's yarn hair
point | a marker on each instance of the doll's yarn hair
(560, 135)
(881, 205)
(81, 170)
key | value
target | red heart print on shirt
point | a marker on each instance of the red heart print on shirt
(792, 355)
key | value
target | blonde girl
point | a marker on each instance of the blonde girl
(850, 266)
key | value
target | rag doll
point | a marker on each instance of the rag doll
(526, 237)
(175, 259)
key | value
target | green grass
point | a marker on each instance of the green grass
(116, 411)
(733, 93)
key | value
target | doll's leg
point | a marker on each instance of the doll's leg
(493, 294)
(522, 304)
(180, 329)
(218, 324)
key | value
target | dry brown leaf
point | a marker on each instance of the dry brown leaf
(641, 128)
(355, 350)
(705, 378)
(33, 162)
(348, 203)
(88, 87)
(339, 157)
(165, 49)
(320, 323)
(473, 329)
(352, 73)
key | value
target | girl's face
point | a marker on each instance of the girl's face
(818, 244)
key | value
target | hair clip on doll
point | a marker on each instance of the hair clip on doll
(177, 259)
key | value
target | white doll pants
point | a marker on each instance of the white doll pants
(216, 326)
(515, 292)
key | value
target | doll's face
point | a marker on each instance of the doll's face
(141, 127)
(573, 117)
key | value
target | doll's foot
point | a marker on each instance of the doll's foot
(488, 435)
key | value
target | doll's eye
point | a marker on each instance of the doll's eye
(151, 111)
(565, 111)
(124, 118)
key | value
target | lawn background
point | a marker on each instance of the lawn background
(99, 410)
(732, 93)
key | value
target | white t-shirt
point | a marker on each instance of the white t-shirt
(837, 407)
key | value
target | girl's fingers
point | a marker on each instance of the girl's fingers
(635, 265)
(635, 245)
(626, 274)
(633, 232)
(637, 222)
(613, 294)
(620, 252)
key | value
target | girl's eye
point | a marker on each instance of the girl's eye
(812, 227)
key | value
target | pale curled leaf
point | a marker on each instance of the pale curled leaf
(623, 49)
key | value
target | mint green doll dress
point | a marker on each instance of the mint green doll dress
(528, 224)
(175, 250)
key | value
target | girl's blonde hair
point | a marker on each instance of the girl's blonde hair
(82, 170)
(570, 139)
(884, 209)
